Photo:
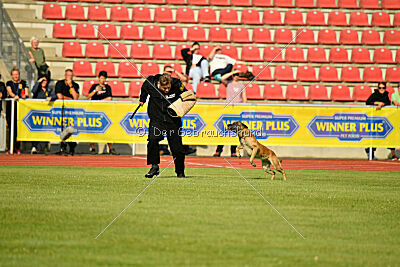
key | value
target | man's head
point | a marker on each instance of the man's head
(218, 49)
(15, 74)
(381, 87)
(102, 77)
(34, 42)
(165, 82)
(69, 74)
(196, 48)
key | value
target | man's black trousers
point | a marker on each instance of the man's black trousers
(157, 131)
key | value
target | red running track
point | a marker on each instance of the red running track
(195, 162)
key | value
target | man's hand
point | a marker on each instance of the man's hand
(41, 79)
(380, 105)
(141, 103)
(32, 60)
(16, 97)
(169, 69)
(48, 98)
(69, 83)
(98, 88)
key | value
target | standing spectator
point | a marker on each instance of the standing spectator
(41, 90)
(196, 64)
(395, 102)
(3, 93)
(379, 98)
(235, 93)
(38, 58)
(69, 90)
(101, 91)
(16, 88)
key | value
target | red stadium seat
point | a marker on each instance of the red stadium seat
(347, 4)
(371, 37)
(361, 93)
(197, 2)
(62, 30)
(176, 2)
(272, 53)
(205, 50)
(295, 92)
(154, 2)
(337, 18)
(318, 92)
(207, 15)
(222, 91)
(74, 12)
(283, 3)
(140, 51)
(283, 36)
(391, 37)
(240, 35)
(141, 14)
(178, 48)
(272, 17)
(228, 16)
(162, 51)
(206, 90)
(119, 13)
(240, 67)
(134, 88)
(294, 54)
(380, 19)
(149, 68)
(117, 50)
(219, 2)
(107, 66)
(360, 55)
(293, 17)
(304, 3)
(130, 32)
(306, 74)
(372, 74)
(107, 31)
(359, 18)
(340, 93)
(338, 55)
(273, 92)
(218, 34)
(316, 54)
(393, 74)
(95, 50)
(117, 88)
(230, 51)
(250, 53)
(350, 74)
(196, 34)
(97, 12)
(152, 33)
(328, 74)
(390, 90)
(72, 49)
(390, 4)
(262, 72)
(52, 11)
(253, 91)
(284, 73)
(396, 19)
(174, 33)
(397, 59)
(326, 3)
(91, 1)
(240, 3)
(349, 36)
(305, 36)
(250, 16)
(383, 56)
(163, 14)
(185, 15)
(128, 69)
(87, 85)
(370, 4)
(82, 68)
(261, 35)
(85, 31)
(315, 18)
(327, 36)
(133, 1)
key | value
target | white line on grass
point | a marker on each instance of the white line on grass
(266, 200)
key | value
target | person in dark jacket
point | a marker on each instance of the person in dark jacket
(379, 98)
(196, 65)
(3, 93)
(162, 91)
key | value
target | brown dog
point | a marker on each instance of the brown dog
(254, 149)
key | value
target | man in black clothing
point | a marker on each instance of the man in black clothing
(67, 89)
(163, 90)
(3, 93)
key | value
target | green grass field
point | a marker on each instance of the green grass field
(51, 215)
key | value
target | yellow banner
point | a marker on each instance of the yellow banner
(274, 125)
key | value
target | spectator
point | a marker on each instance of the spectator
(69, 90)
(38, 58)
(395, 102)
(41, 90)
(101, 91)
(16, 88)
(220, 64)
(379, 98)
(196, 65)
(235, 93)
(3, 93)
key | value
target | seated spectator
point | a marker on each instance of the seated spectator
(38, 58)
(196, 65)
(220, 64)
(16, 88)
(235, 93)
(101, 91)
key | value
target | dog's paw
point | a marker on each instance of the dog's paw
(252, 163)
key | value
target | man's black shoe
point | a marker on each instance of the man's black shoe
(207, 79)
(181, 175)
(155, 170)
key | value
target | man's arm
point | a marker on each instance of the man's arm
(212, 53)
(185, 54)
(144, 92)
(92, 91)
(244, 96)
(11, 94)
(224, 78)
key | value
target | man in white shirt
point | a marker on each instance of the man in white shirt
(220, 64)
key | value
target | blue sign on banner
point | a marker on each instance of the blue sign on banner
(350, 126)
(50, 120)
(192, 124)
(262, 124)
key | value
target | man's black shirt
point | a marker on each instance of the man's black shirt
(104, 93)
(63, 88)
(17, 88)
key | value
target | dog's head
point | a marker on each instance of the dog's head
(237, 126)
